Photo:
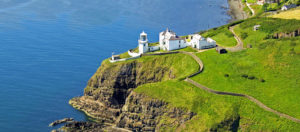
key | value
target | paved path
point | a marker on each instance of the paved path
(240, 44)
(251, 9)
(201, 67)
(260, 104)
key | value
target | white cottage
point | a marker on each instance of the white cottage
(168, 40)
(199, 42)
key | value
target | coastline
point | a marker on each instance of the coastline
(236, 10)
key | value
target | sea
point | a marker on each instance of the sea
(50, 48)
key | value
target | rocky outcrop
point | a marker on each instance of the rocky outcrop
(60, 121)
(287, 34)
(109, 97)
(141, 113)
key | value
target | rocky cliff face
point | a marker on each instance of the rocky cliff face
(109, 97)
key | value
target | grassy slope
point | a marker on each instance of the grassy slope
(222, 35)
(291, 14)
(275, 61)
(181, 65)
(212, 109)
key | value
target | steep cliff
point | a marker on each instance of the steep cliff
(109, 98)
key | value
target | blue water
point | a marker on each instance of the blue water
(50, 48)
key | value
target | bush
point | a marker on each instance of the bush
(244, 75)
(262, 80)
(244, 35)
(228, 34)
(251, 77)
(226, 75)
(293, 44)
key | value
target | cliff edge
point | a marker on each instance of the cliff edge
(110, 100)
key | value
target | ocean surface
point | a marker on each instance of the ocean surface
(50, 48)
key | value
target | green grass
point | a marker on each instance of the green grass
(213, 109)
(154, 44)
(257, 9)
(180, 64)
(221, 35)
(187, 49)
(124, 55)
(275, 61)
(269, 72)
(269, 26)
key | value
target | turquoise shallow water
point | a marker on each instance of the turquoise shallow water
(50, 48)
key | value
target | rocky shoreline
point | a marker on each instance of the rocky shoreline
(236, 10)
(110, 100)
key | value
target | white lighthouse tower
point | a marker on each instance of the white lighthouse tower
(143, 43)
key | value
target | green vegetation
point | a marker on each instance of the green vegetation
(124, 55)
(180, 64)
(154, 44)
(188, 49)
(269, 26)
(269, 72)
(215, 110)
(258, 9)
(221, 35)
(290, 14)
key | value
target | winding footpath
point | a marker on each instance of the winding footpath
(238, 47)
(251, 9)
(240, 44)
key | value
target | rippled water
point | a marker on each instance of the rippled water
(50, 48)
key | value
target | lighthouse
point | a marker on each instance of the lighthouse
(143, 43)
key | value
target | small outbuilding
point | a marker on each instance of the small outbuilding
(287, 7)
(256, 27)
(115, 57)
(249, 46)
(221, 50)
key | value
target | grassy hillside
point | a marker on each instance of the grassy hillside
(270, 72)
(215, 112)
(291, 14)
(222, 36)
(180, 64)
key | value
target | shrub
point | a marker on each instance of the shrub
(262, 80)
(244, 75)
(293, 44)
(251, 77)
(228, 34)
(226, 75)
(244, 35)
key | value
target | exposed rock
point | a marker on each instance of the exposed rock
(60, 121)
(109, 99)
(82, 126)
(287, 35)
(141, 113)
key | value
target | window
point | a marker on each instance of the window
(144, 38)
(179, 46)
(144, 44)
(179, 41)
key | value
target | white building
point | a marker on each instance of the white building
(199, 42)
(287, 7)
(168, 40)
(143, 43)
